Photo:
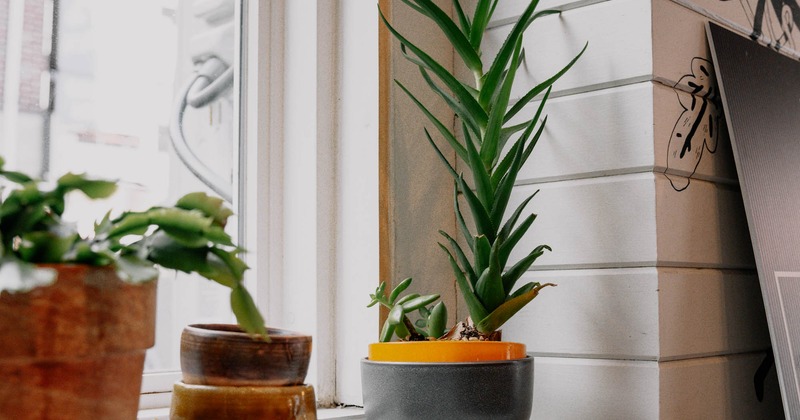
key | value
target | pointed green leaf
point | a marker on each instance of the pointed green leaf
(505, 232)
(459, 149)
(462, 224)
(502, 168)
(541, 87)
(503, 192)
(462, 17)
(490, 284)
(534, 141)
(457, 39)
(473, 121)
(483, 12)
(529, 126)
(440, 154)
(522, 290)
(483, 184)
(490, 149)
(504, 55)
(443, 74)
(543, 13)
(483, 250)
(507, 132)
(479, 214)
(514, 273)
(476, 309)
(462, 258)
(504, 312)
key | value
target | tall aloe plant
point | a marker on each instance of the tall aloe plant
(484, 108)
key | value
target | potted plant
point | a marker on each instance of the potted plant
(467, 372)
(77, 313)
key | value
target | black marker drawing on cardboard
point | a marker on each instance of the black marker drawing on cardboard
(778, 20)
(697, 129)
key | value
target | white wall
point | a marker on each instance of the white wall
(658, 312)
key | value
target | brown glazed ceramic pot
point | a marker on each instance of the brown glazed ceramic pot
(223, 355)
(191, 402)
(75, 349)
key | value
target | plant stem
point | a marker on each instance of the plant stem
(413, 335)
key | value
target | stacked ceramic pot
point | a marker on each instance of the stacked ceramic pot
(229, 375)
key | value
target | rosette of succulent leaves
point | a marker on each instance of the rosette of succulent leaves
(189, 237)
(484, 109)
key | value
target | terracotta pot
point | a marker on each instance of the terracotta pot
(75, 349)
(447, 380)
(223, 355)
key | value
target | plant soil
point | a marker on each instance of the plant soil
(465, 331)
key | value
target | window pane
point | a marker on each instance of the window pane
(90, 86)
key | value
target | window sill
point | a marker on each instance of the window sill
(348, 413)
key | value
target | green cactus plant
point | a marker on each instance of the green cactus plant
(484, 110)
(189, 237)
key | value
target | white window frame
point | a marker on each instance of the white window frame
(308, 181)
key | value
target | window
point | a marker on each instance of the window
(90, 86)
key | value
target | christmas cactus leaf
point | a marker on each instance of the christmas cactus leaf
(93, 188)
(247, 315)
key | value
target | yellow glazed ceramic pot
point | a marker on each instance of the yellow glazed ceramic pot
(445, 351)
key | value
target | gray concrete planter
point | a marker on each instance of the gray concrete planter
(474, 390)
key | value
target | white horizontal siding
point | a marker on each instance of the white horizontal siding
(623, 130)
(642, 314)
(635, 220)
(705, 388)
(510, 10)
(620, 46)
(598, 133)
(611, 313)
(583, 389)
(591, 223)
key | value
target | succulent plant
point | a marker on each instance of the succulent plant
(485, 112)
(431, 323)
(188, 237)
